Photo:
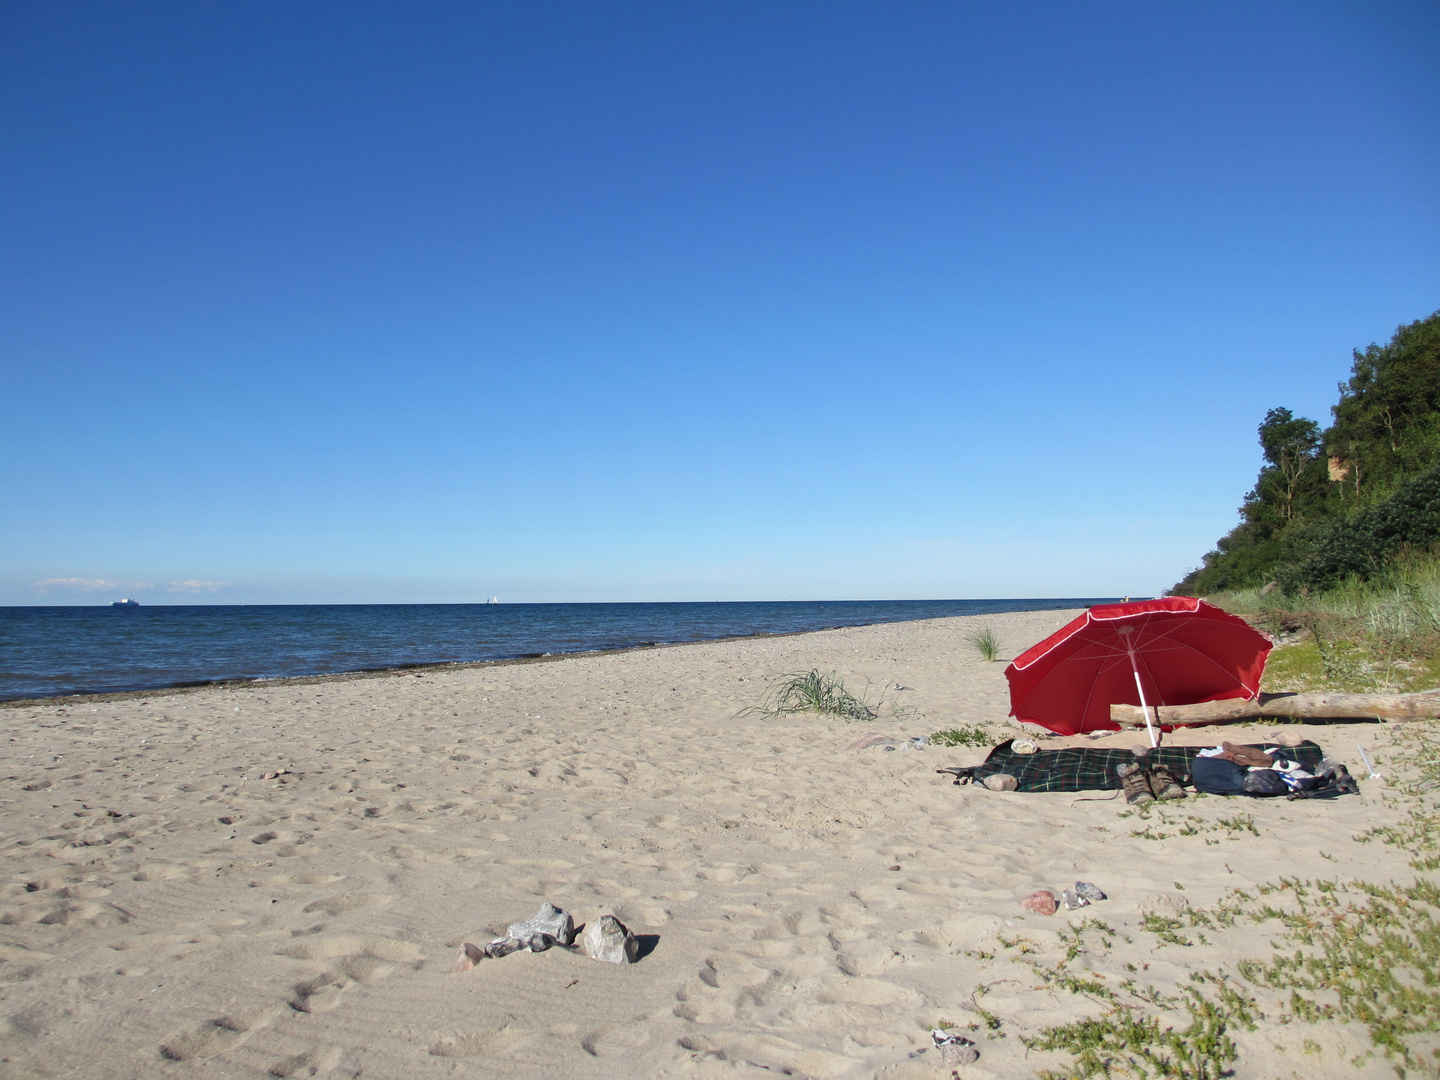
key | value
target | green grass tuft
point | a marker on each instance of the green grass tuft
(816, 692)
(985, 644)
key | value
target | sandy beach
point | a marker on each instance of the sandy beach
(808, 910)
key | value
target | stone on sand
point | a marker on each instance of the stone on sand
(548, 920)
(606, 938)
(1042, 902)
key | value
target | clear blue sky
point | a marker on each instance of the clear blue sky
(610, 301)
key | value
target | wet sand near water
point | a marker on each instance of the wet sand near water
(167, 911)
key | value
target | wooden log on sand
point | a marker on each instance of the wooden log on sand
(1421, 706)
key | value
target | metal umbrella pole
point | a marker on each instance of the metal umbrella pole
(1125, 632)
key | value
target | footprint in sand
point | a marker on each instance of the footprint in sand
(340, 904)
(863, 992)
(314, 1062)
(614, 1041)
(351, 961)
(488, 1043)
(99, 916)
(278, 880)
(347, 946)
(215, 1036)
(776, 1054)
(866, 962)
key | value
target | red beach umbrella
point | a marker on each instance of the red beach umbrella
(1174, 651)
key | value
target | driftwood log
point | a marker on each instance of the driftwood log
(1421, 706)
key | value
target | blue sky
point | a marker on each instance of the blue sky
(368, 302)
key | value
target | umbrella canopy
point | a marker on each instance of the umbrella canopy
(1174, 651)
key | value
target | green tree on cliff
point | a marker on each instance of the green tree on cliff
(1313, 485)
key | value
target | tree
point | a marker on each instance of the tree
(1291, 445)
(1387, 423)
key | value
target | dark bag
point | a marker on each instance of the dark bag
(1217, 776)
(1264, 782)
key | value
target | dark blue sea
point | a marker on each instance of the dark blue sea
(45, 651)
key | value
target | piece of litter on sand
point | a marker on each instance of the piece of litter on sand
(273, 775)
(954, 1049)
(1365, 758)
(886, 742)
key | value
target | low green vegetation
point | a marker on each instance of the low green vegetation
(1347, 952)
(964, 735)
(985, 643)
(1378, 635)
(1172, 824)
(1131, 1041)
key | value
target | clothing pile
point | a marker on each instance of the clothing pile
(1228, 769)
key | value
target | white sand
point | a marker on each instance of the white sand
(816, 909)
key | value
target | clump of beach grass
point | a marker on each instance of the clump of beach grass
(818, 692)
(985, 643)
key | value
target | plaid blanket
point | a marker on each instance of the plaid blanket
(1088, 769)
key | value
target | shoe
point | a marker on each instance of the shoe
(1164, 785)
(1135, 784)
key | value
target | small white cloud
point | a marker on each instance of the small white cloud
(194, 586)
(75, 584)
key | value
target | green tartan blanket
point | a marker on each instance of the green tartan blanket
(1088, 769)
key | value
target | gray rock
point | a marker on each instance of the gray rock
(607, 939)
(1072, 900)
(502, 947)
(548, 920)
(1088, 891)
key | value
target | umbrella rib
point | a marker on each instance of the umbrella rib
(1177, 645)
(1112, 661)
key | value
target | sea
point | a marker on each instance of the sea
(50, 651)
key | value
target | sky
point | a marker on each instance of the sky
(427, 302)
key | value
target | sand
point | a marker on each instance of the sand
(806, 910)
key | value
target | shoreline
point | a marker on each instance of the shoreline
(506, 646)
(378, 673)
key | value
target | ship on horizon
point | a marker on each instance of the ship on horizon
(127, 602)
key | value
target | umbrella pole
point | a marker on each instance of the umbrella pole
(1144, 708)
